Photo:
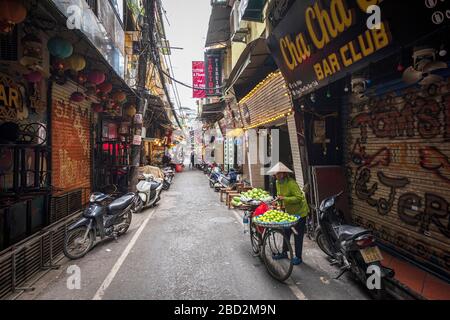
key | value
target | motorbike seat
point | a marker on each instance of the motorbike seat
(347, 232)
(121, 203)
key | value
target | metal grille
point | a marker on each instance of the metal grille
(64, 205)
(22, 263)
(8, 46)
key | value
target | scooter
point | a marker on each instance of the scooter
(149, 192)
(102, 218)
(350, 247)
(168, 177)
(214, 176)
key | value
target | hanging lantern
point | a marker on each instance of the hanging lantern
(31, 52)
(76, 62)
(97, 107)
(105, 87)
(119, 96)
(77, 97)
(59, 47)
(34, 77)
(130, 110)
(12, 12)
(96, 77)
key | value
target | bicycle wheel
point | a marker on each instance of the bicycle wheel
(280, 269)
(255, 239)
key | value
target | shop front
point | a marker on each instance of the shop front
(372, 107)
(24, 134)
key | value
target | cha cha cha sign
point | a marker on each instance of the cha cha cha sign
(321, 41)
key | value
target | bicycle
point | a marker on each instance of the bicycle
(268, 242)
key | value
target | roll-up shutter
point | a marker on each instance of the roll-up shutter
(398, 150)
(71, 140)
(267, 100)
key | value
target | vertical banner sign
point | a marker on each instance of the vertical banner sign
(213, 64)
(198, 79)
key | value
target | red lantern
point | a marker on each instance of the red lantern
(96, 77)
(12, 12)
(97, 107)
(119, 96)
(105, 87)
(77, 97)
(34, 77)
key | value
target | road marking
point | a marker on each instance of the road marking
(291, 284)
(112, 274)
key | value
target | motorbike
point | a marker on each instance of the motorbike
(168, 177)
(149, 192)
(350, 247)
(214, 176)
(225, 181)
(104, 217)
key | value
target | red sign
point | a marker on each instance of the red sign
(198, 79)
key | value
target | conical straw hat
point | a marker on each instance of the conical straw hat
(279, 167)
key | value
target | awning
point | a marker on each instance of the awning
(219, 26)
(212, 112)
(254, 64)
(252, 10)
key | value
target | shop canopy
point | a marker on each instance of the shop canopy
(252, 10)
(254, 64)
(212, 112)
(219, 26)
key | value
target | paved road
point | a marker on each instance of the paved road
(190, 247)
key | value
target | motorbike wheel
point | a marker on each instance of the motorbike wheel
(323, 243)
(138, 208)
(75, 247)
(123, 227)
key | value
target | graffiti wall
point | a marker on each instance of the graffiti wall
(71, 143)
(398, 158)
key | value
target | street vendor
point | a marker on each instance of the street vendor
(294, 201)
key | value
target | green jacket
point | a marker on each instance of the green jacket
(294, 198)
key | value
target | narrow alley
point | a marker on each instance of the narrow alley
(191, 247)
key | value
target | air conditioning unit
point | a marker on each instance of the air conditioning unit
(238, 27)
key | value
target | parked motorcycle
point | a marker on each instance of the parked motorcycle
(226, 181)
(214, 176)
(352, 248)
(101, 219)
(168, 177)
(149, 192)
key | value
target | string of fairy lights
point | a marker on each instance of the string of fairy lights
(266, 81)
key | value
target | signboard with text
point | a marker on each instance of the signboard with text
(213, 66)
(198, 79)
(319, 42)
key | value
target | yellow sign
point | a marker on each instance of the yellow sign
(11, 101)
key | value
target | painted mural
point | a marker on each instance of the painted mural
(398, 151)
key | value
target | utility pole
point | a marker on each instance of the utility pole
(143, 61)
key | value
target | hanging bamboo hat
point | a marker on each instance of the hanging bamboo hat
(279, 167)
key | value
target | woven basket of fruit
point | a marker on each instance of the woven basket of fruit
(276, 219)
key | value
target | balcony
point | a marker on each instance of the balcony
(101, 25)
